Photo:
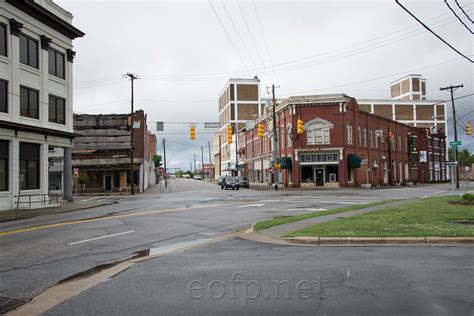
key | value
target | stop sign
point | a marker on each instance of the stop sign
(160, 169)
(270, 170)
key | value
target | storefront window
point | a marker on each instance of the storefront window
(307, 175)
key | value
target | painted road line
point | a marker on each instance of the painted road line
(251, 205)
(340, 202)
(112, 217)
(428, 195)
(308, 209)
(102, 237)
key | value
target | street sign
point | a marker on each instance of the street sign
(212, 124)
(455, 144)
(459, 143)
(270, 170)
(423, 156)
(160, 169)
(160, 126)
(452, 163)
(76, 172)
(379, 133)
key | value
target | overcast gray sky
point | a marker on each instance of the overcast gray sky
(184, 58)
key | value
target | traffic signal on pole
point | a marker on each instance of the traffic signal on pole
(427, 132)
(260, 131)
(229, 134)
(468, 129)
(389, 137)
(299, 126)
(192, 132)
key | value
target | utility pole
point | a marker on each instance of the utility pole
(451, 89)
(202, 161)
(220, 156)
(210, 160)
(275, 140)
(236, 153)
(164, 161)
(132, 78)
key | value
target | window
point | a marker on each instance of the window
(399, 142)
(29, 102)
(57, 107)
(371, 138)
(364, 137)
(282, 138)
(3, 39)
(289, 141)
(349, 133)
(359, 136)
(28, 51)
(29, 166)
(4, 154)
(3, 96)
(56, 63)
(318, 136)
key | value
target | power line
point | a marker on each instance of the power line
(228, 36)
(460, 20)
(459, 6)
(251, 36)
(426, 27)
(238, 34)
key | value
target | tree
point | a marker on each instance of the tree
(157, 160)
(465, 157)
(82, 179)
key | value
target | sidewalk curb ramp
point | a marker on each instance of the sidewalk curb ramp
(381, 240)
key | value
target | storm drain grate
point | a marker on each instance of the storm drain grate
(8, 303)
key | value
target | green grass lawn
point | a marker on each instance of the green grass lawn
(431, 217)
(283, 220)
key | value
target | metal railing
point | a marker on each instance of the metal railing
(46, 199)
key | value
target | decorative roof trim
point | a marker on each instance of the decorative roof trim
(43, 15)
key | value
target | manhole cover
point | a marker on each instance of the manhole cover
(8, 303)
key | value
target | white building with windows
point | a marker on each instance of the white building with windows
(36, 71)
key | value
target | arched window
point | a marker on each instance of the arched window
(349, 135)
(318, 131)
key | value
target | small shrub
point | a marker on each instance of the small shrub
(468, 197)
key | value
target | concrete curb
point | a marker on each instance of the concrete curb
(379, 240)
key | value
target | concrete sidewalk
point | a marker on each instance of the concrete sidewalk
(79, 204)
(281, 230)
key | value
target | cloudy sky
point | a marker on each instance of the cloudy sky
(184, 55)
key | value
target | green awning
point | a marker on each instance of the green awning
(353, 161)
(285, 163)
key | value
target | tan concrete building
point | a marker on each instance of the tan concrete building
(238, 103)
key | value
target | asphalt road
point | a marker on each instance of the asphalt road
(39, 252)
(243, 277)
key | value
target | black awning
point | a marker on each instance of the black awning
(353, 161)
(286, 163)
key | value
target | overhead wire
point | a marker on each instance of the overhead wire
(435, 34)
(462, 9)
(228, 37)
(455, 14)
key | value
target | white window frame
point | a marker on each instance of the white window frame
(349, 134)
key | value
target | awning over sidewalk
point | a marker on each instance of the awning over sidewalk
(286, 163)
(353, 161)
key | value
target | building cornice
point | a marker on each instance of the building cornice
(37, 130)
(41, 14)
(15, 27)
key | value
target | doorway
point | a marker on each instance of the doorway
(108, 183)
(319, 176)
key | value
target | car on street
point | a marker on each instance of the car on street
(230, 183)
(197, 177)
(243, 182)
(219, 181)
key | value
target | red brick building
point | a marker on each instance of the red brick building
(340, 146)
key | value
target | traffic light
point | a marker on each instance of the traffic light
(468, 129)
(389, 137)
(229, 134)
(192, 132)
(260, 131)
(427, 132)
(299, 126)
